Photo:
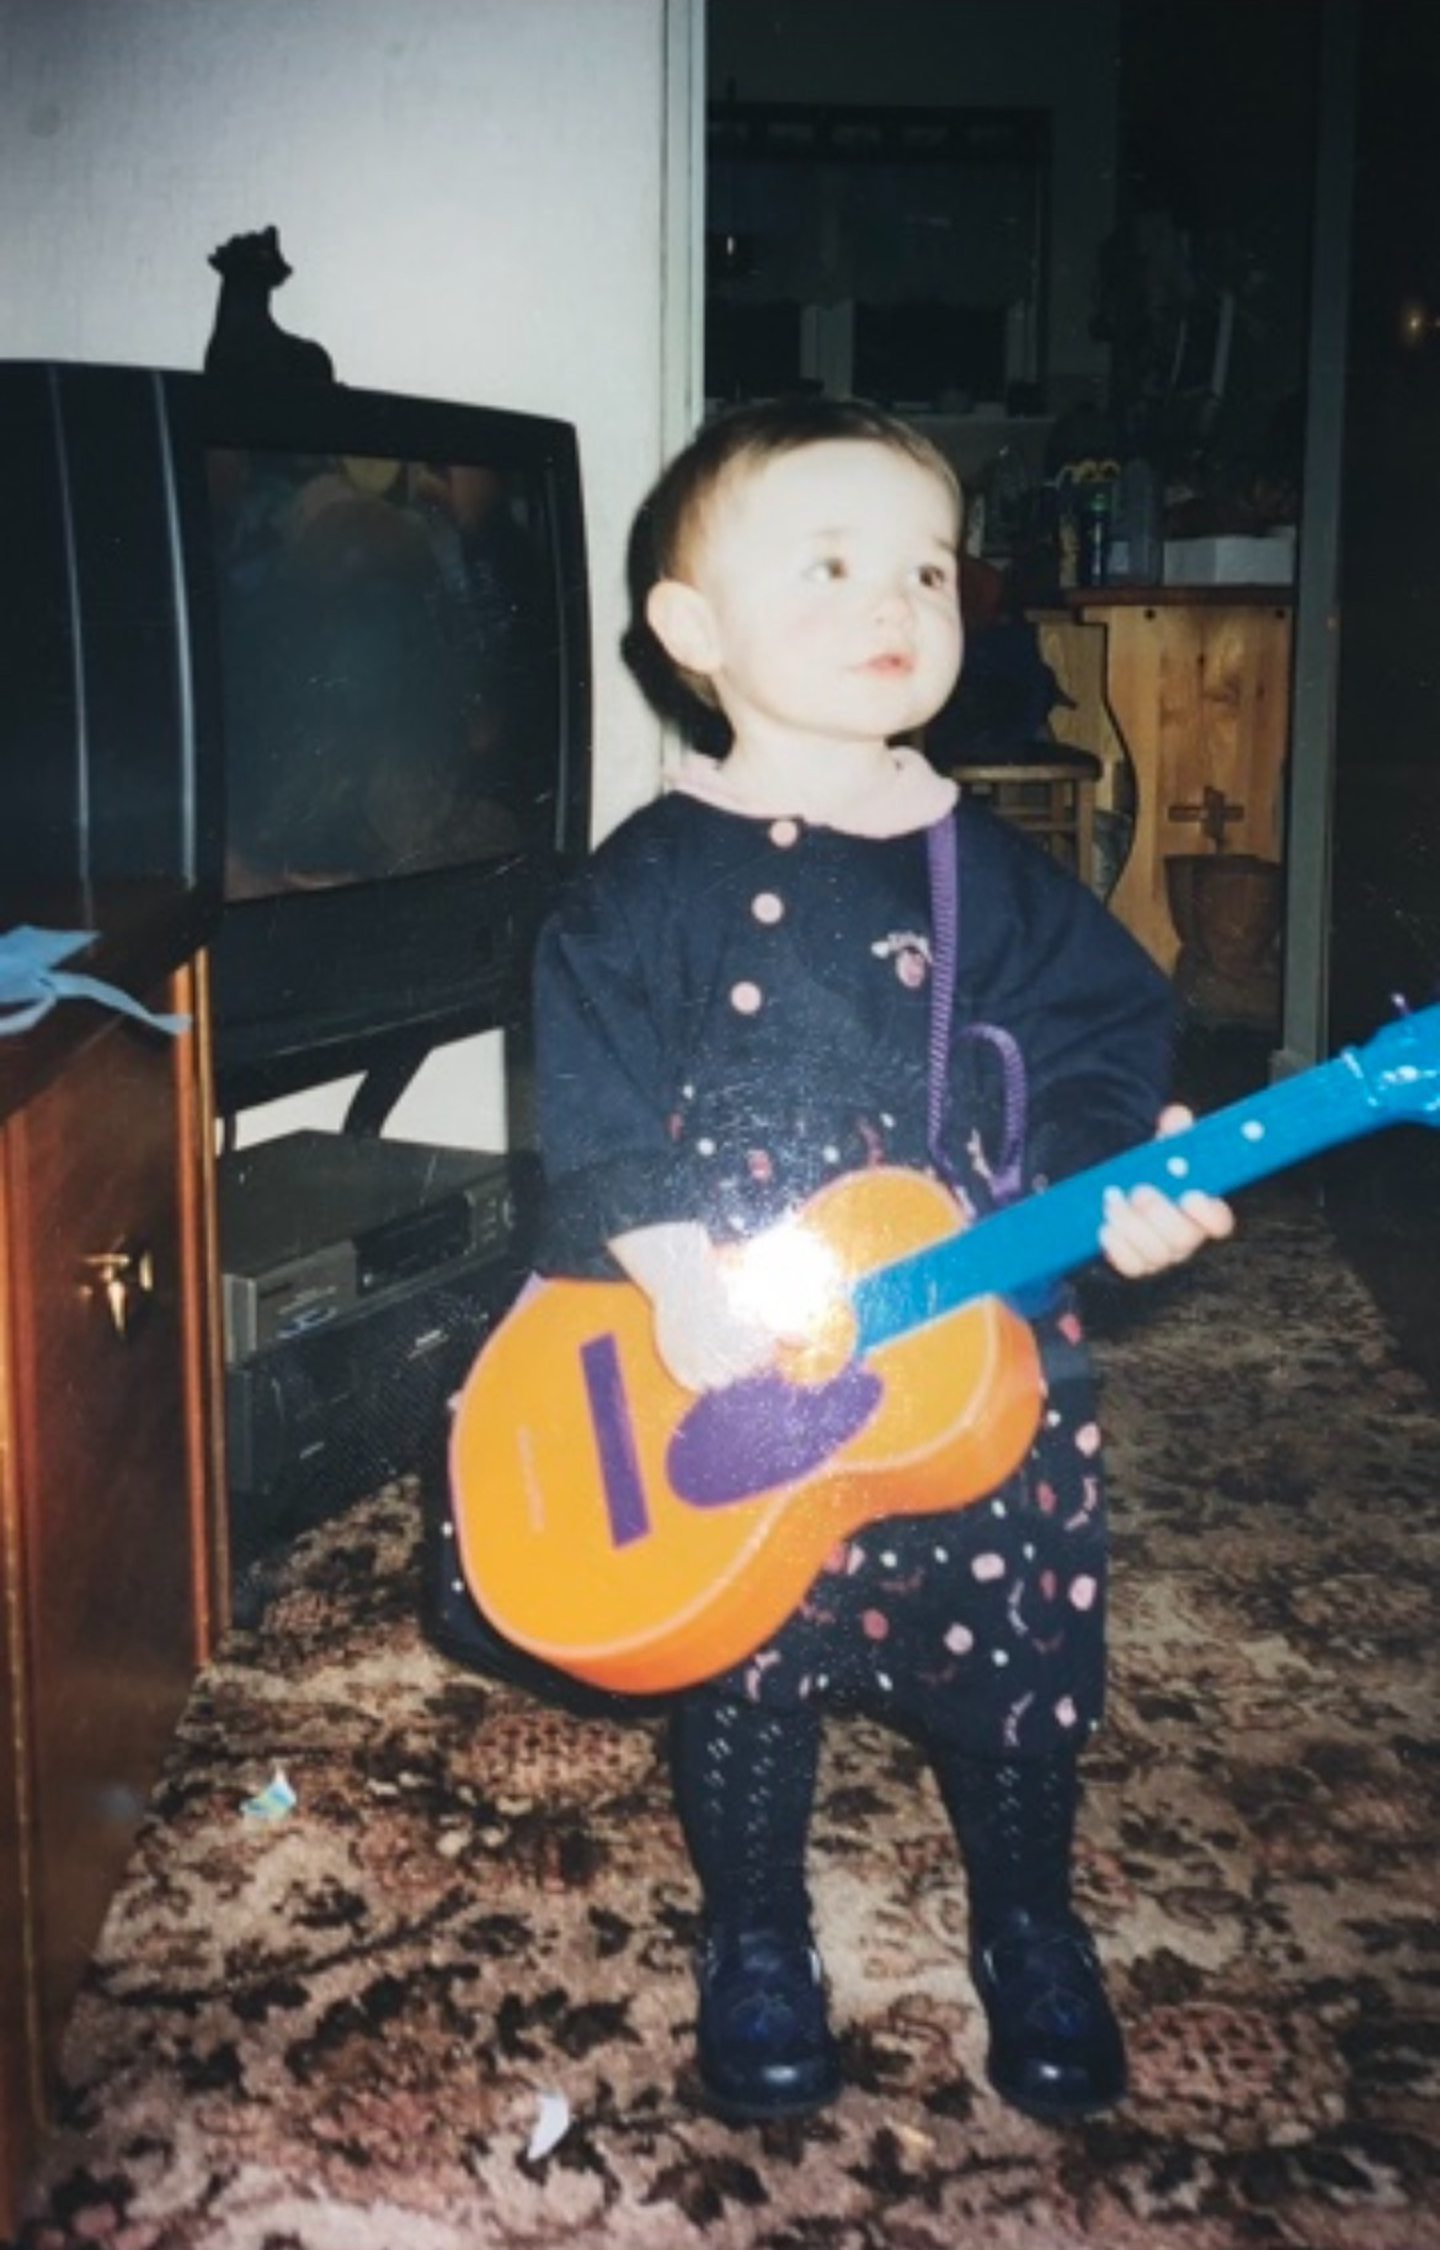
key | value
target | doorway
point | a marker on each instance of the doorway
(1385, 897)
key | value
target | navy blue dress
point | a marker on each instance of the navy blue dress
(731, 1011)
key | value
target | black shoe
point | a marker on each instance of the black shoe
(1056, 2049)
(764, 2043)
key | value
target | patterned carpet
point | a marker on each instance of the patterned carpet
(334, 2030)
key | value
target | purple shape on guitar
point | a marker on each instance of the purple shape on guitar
(615, 1440)
(765, 1432)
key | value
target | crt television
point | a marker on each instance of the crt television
(322, 652)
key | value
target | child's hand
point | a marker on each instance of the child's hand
(704, 1341)
(1147, 1230)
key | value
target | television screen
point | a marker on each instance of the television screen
(393, 660)
(401, 595)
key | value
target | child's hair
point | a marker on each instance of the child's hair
(672, 516)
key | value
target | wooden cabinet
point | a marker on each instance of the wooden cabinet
(107, 1475)
(1197, 680)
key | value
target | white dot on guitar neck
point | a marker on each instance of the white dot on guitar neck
(1252, 1130)
(1177, 1167)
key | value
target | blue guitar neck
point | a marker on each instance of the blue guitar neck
(1053, 1232)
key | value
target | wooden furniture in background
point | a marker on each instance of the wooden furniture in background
(109, 1554)
(1051, 799)
(1197, 680)
(1075, 651)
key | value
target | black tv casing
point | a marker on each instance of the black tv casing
(111, 754)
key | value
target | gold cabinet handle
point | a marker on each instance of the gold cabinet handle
(125, 1278)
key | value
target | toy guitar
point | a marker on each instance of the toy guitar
(642, 1536)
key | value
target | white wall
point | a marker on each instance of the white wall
(471, 193)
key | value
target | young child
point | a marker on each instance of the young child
(733, 1008)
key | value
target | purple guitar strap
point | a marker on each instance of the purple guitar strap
(1007, 1175)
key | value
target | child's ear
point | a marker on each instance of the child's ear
(684, 624)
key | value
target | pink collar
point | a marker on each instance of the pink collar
(911, 795)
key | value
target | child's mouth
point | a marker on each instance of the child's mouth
(892, 664)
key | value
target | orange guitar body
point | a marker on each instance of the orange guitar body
(643, 1538)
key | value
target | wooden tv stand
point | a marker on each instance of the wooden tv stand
(109, 1556)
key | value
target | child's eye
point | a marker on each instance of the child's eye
(825, 570)
(934, 577)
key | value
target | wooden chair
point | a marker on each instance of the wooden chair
(1048, 790)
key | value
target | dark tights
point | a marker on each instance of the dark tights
(744, 1782)
(1014, 1820)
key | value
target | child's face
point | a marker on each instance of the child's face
(823, 593)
